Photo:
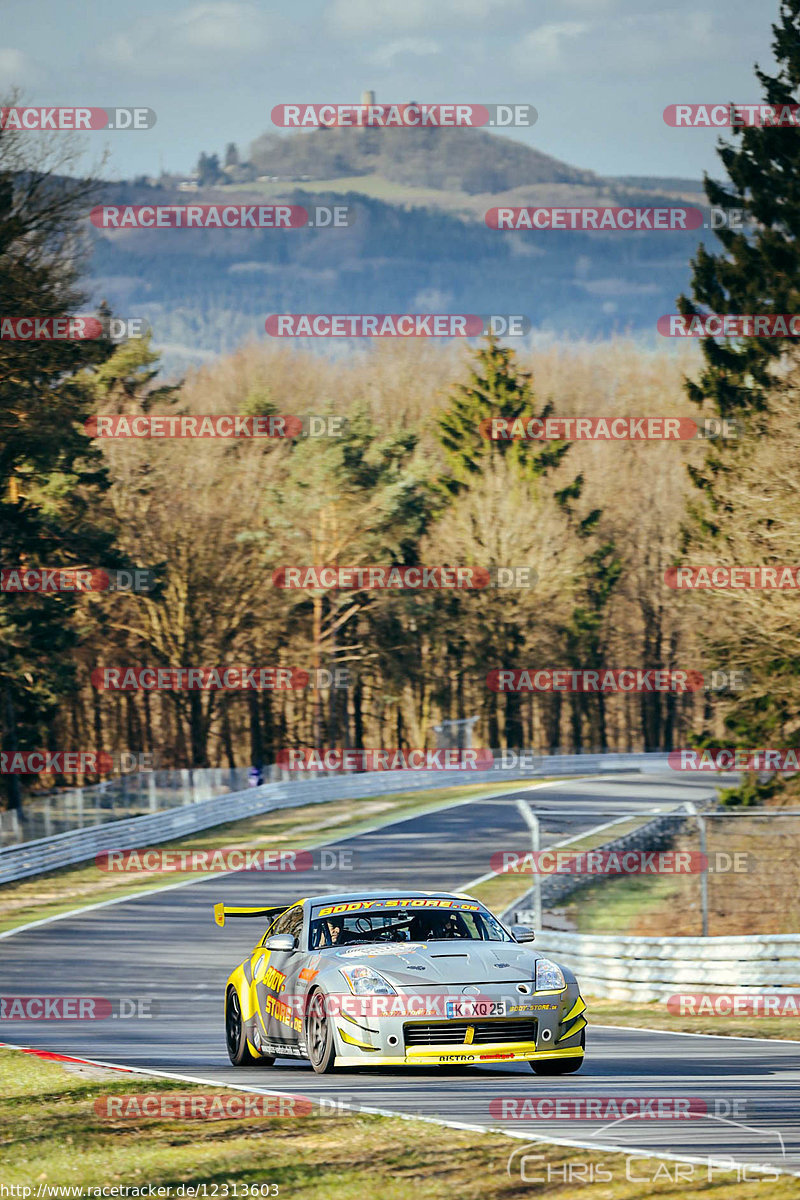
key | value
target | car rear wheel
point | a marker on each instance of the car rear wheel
(239, 1052)
(559, 1066)
(319, 1035)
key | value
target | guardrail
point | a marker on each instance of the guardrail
(655, 968)
(80, 845)
(131, 794)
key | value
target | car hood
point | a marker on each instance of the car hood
(415, 964)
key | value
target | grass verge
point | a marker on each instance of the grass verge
(654, 1015)
(51, 1136)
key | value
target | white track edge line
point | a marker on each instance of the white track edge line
(731, 1037)
(441, 1121)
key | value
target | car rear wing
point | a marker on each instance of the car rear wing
(221, 911)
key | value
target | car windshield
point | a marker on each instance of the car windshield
(402, 925)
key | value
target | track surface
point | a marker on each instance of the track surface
(165, 948)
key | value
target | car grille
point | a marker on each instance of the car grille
(453, 1033)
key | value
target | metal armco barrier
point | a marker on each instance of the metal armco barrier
(655, 968)
(80, 845)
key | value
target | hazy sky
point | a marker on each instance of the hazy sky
(600, 72)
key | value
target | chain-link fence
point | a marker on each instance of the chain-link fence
(714, 871)
(129, 795)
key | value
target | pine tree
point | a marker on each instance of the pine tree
(347, 501)
(586, 644)
(759, 270)
(208, 169)
(497, 388)
(758, 273)
(51, 477)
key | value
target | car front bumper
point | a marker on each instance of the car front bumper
(455, 1056)
(559, 1023)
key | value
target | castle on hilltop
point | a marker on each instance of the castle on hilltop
(366, 101)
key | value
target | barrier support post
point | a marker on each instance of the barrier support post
(701, 825)
(532, 821)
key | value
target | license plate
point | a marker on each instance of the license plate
(469, 1009)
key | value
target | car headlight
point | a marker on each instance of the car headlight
(549, 976)
(363, 981)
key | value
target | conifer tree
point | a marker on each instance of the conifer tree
(758, 270)
(51, 477)
(497, 388)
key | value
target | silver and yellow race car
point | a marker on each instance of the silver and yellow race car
(399, 979)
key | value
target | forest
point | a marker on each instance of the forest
(387, 463)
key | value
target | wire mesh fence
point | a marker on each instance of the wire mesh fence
(715, 872)
(130, 795)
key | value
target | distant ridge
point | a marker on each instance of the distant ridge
(471, 161)
(662, 183)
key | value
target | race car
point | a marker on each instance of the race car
(399, 979)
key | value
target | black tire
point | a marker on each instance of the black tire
(319, 1035)
(560, 1066)
(239, 1052)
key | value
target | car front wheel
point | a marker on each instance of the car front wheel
(319, 1035)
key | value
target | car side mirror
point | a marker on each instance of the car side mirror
(523, 933)
(281, 942)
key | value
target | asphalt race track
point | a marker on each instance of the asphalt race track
(165, 948)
